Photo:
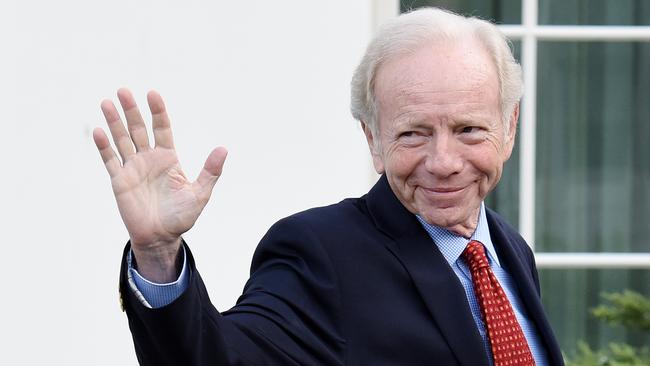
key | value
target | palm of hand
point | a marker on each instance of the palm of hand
(155, 199)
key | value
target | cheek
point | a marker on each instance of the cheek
(490, 165)
(401, 162)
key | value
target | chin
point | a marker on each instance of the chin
(447, 216)
(442, 217)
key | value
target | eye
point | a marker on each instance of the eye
(412, 138)
(471, 134)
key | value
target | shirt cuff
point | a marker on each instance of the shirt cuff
(156, 295)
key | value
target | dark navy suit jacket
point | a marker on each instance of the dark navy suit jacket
(355, 283)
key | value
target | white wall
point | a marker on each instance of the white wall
(267, 79)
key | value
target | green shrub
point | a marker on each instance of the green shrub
(628, 309)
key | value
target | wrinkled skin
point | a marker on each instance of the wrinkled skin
(440, 139)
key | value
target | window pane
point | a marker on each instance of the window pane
(505, 197)
(593, 155)
(501, 11)
(570, 294)
(594, 12)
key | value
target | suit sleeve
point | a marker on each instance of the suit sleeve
(288, 314)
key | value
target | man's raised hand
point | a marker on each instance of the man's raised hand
(155, 199)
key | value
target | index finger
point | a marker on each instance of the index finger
(111, 161)
(162, 131)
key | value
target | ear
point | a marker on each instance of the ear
(377, 160)
(512, 132)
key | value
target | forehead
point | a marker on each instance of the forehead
(444, 77)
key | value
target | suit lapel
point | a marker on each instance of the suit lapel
(435, 281)
(520, 269)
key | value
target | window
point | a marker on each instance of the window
(578, 184)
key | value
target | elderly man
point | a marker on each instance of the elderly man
(416, 272)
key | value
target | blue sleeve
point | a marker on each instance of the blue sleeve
(156, 295)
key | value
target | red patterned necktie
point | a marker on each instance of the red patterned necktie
(507, 340)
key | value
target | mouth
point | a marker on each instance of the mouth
(447, 194)
(445, 189)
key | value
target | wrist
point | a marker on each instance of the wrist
(160, 262)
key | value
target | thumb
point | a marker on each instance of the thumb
(211, 170)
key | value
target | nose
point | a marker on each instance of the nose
(443, 157)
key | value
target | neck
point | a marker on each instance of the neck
(467, 228)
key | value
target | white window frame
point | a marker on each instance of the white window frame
(529, 33)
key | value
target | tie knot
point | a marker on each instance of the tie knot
(475, 256)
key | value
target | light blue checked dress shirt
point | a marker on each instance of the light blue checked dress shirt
(157, 295)
(452, 246)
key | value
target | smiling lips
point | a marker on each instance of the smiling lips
(444, 193)
(445, 189)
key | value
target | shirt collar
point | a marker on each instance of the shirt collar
(452, 245)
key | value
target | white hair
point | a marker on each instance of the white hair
(405, 33)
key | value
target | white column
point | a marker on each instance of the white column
(528, 123)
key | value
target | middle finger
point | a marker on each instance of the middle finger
(134, 120)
